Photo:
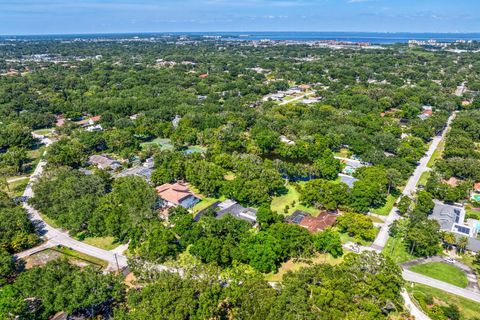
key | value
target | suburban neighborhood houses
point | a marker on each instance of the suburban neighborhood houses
(200, 176)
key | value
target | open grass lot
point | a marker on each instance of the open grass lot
(437, 154)
(44, 132)
(16, 186)
(343, 153)
(385, 210)
(424, 178)
(395, 249)
(443, 272)
(164, 144)
(468, 309)
(279, 203)
(106, 243)
(292, 265)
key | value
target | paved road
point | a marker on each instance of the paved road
(418, 278)
(32, 251)
(410, 188)
(55, 237)
(412, 308)
(296, 99)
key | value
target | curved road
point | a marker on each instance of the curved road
(116, 261)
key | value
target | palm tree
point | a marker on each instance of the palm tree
(462, 243)
(449, 239)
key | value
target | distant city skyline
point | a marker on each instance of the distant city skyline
(30, 17)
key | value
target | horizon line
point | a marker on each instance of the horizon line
(231, 31)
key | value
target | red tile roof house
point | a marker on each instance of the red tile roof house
(177, 194)
(90, 122)
(313, 224)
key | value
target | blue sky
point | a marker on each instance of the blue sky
(105, 16)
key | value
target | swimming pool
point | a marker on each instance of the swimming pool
(476, 197)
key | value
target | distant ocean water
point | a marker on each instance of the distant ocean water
(371, 37)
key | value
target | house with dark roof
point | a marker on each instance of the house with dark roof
(451, 218)
(230, 207)
(104, 162)
(312, 224)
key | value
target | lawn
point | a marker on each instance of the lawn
(17, 187)
(81, 256)
(468, 309)
(344, 238)
(443, 272)
(472, 214)
(343, 153)
(437, 154)
(205, 203)
(424, 178)
(395, 249)
(279, 203)
(292, 265)
(44, 132)
(164, 144)
(106, 243)
(385, 210)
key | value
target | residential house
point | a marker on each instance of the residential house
(451, 218)
(230, 207)
(177, 194)
(138, 171)
(104, 162)
(312, 224)
(90, 121)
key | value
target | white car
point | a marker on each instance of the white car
(449, 260)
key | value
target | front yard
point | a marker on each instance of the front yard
(443, 272)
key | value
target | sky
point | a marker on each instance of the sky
(108, 16)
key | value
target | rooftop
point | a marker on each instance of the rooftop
(312, 224)
(174, 193)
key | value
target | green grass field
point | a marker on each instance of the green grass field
(468, 309)
(443, 272)
(205, 203)
(385, 210)
(279, 203)
(106, 243)
(424, 178)
(395, 249)
(437, 154)
(293, 266)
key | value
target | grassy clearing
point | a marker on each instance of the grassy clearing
(50, 222)
(385, 210)
(375, 219)
(106, 243)
(443, 272)
(292, 265)
(343, 153)
(279, 203)
(468, 309)
(81, 256)
(424, 178)
(395, 249)
(437, 154)
(344, 237)
(205, 203)
(15, 188)
(44, 132)
(473, 214)
(164, 144)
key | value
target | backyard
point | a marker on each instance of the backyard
(292, 200)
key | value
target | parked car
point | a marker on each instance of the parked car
(449, 260)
